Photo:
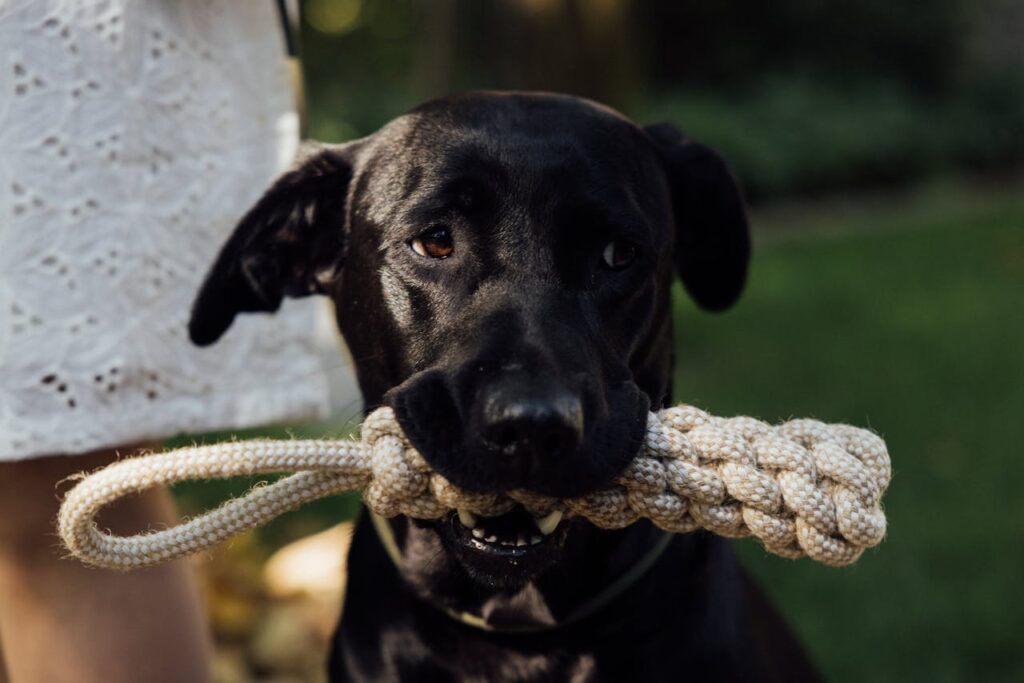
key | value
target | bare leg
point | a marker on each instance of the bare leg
(62, 621)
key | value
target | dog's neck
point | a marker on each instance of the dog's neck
(682, 617)
(607, 565)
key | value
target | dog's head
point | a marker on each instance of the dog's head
(500, 265)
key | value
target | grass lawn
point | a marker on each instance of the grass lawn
(908, 316)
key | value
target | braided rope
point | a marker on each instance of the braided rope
(802, 487)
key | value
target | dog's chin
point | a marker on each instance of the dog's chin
(504, 552)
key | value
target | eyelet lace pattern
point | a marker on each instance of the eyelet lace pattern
(133, 134)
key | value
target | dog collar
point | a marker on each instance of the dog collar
(603, 597)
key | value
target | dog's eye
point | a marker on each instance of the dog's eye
(618, 254)
(434, 243)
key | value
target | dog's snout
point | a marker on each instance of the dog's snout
(540, 430)
(530, 422)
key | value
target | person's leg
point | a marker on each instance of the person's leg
(62, 621)
(3, 669)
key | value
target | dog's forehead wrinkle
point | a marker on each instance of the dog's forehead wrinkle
(521, 255)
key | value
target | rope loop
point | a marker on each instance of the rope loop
(804, 488)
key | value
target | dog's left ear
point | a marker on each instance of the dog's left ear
(291, 243)
(712, 248)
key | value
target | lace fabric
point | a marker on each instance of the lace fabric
(133, 135)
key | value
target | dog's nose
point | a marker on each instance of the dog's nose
(530, 421)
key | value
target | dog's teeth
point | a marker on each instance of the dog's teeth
(491, 539)
(467, 518)
(534, 540)
(478, 532)
(548, 522)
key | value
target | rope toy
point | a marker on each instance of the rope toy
(803, 487)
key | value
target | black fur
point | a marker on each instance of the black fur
(520, 361)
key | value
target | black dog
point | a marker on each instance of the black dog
(507, 266)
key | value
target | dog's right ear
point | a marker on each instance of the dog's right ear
(290, 244)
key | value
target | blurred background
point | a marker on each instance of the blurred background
(881, 147)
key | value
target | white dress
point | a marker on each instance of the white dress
(133, 135)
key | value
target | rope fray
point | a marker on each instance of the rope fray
(802, 487)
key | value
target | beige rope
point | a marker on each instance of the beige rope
(802, 487)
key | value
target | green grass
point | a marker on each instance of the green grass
(906, 315)
(909, 318)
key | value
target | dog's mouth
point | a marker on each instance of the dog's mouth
(514, 534)
(505, 550)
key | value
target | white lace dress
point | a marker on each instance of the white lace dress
(133, 135)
